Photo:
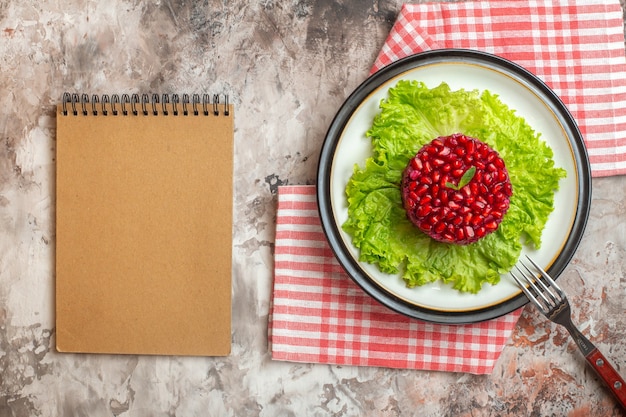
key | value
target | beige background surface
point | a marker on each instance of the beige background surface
(287, 67)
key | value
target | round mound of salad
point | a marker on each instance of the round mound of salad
(396, 231)
(456, 189)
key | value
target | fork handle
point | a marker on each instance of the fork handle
(608, 374)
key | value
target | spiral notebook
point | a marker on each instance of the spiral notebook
(144, 224)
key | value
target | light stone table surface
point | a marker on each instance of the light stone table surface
(287, 66)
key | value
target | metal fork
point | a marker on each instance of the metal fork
(550, 299)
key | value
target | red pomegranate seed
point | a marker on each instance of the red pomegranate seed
(424, 210)
(458, 172)
(470, 147)
(434, 218)
(492, 225)
(425, 226)
(438, 162)
(454, 205)
(502, 205)
(421, 189)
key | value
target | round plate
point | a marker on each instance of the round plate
(346, 145)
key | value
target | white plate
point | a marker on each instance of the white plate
(346, 145)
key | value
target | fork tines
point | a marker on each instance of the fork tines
(545, 296)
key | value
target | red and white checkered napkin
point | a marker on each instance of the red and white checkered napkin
(576, 47)
(320, 315)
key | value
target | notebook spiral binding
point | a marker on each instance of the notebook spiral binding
(74, 104)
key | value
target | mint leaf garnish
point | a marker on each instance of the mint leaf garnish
(465, 179)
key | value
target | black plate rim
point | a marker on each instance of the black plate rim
(344, 114)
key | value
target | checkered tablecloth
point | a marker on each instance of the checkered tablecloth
(318, 314)
(576, 47)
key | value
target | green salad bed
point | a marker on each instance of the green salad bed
(412, 116)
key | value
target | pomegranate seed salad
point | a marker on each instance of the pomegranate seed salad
(456, 184)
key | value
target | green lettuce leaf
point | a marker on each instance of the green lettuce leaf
(412, 116)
